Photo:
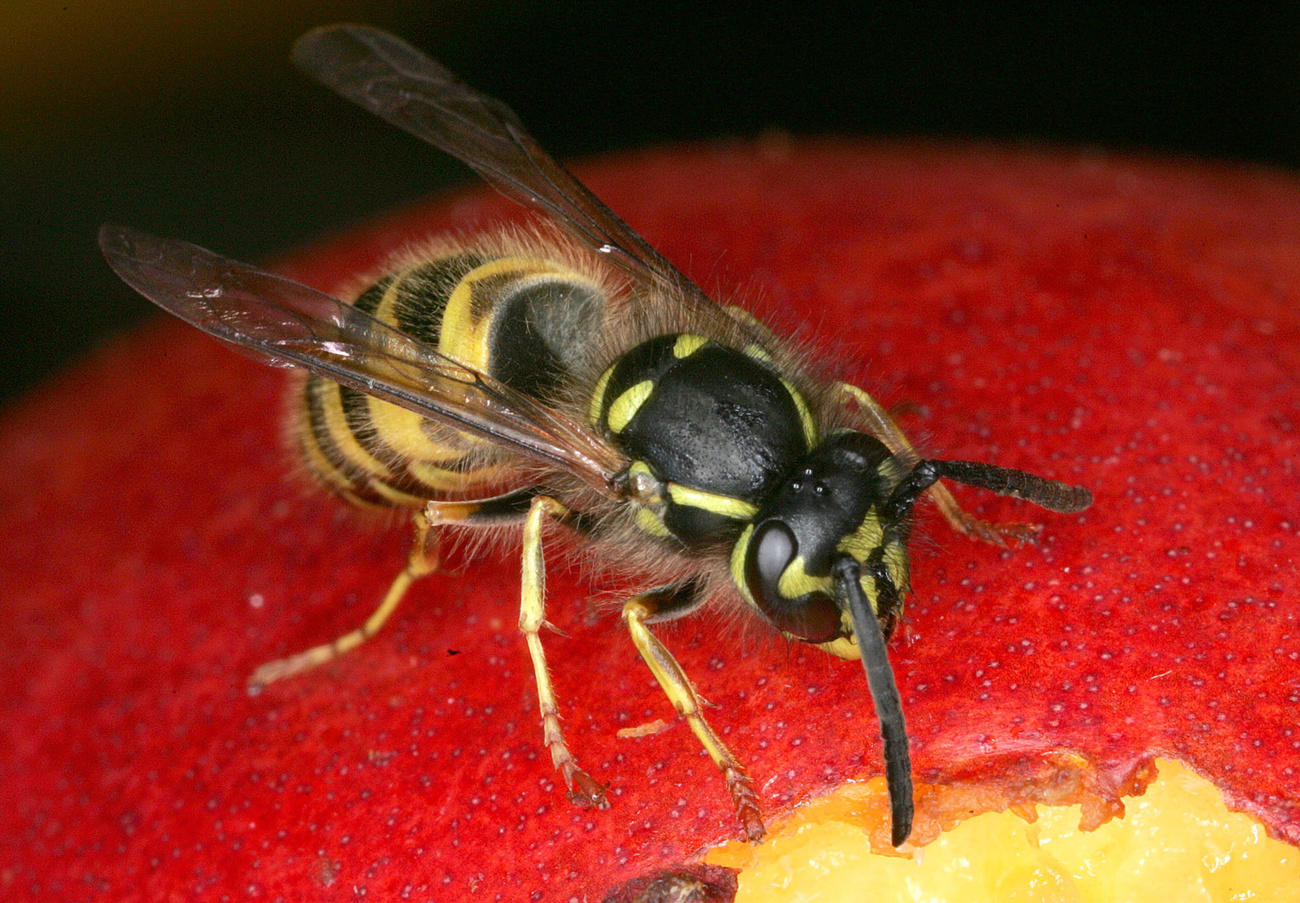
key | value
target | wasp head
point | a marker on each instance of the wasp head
(834, 504)
(825, 560)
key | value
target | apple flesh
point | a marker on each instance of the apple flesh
(1131, 325)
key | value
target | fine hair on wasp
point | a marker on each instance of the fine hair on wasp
(569, 376)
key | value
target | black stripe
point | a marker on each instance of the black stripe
(422, 295)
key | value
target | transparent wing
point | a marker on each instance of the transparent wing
(393, 80)
(297, 325)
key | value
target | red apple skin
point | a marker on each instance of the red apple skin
(1126, 324)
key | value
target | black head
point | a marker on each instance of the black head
(825, 560)
(829, 505)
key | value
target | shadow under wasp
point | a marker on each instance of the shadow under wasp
(573, 375)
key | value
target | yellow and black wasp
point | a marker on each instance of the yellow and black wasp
(576, 376)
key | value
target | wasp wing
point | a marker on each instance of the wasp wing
(297, 325)
(396, 82)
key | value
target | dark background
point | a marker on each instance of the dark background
(186, 119)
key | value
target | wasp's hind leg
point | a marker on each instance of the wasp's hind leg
(663, 604)
(583, 788)
(883, 427)
(421, 561)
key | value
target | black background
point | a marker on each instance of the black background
(187, 119)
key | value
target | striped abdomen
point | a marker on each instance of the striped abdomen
(520, 319)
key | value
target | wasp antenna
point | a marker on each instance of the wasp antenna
(1050, 494)
(884, 696)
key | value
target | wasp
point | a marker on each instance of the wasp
(573, 376)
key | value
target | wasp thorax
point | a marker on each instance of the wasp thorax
(827, 505)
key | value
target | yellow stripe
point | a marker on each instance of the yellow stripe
(713, 502)
(738, 554)
(626, 405)
(638, 468)
(758, 353)
(842, 647)
(864, 539)
(401, 430)
(322, 466)
(796, 582)
(449, 480)
(341, 434)
(687, 344)
(393, 495)
(436, 477)
(462, 336)
(805, 416)
(743, 315)
(468, 338)
(648, 521)
(386, 308)
(598, 396)
(404, 432)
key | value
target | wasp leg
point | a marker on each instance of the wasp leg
(583, 789)
(883, 427)
(421, 561)
(657, 604)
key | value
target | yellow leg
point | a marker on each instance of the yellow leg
(583, 789)
(883, 427)
(636, 612)
(421, 561)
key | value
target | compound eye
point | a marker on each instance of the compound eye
(813, 616)
(771, 550)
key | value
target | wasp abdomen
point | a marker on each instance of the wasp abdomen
(521, 320)
(716, 425)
